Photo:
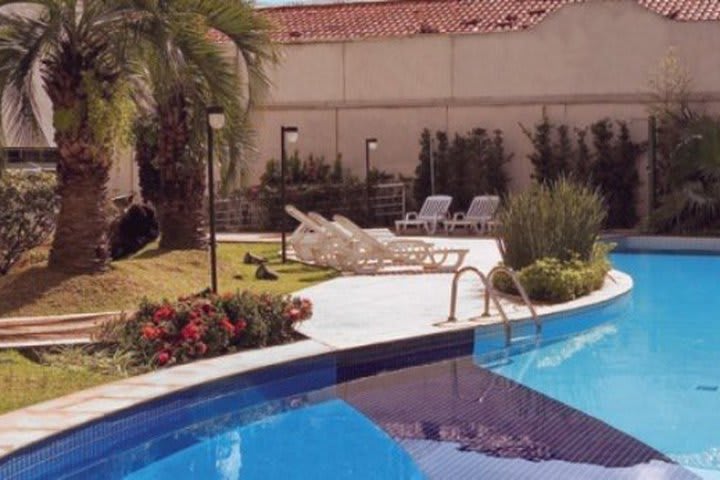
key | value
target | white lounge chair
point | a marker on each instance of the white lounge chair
(371, 254)
(478, 216)
(312, 242)
(433, 212)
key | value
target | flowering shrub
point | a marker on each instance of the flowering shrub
(206, 325)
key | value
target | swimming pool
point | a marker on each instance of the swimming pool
(653, 372)
(619, 390)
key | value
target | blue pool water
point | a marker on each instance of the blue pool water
(616, 391)
(654, 370)
(326, 440)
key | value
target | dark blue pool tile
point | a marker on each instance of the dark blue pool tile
(486, 417)
(83, 446)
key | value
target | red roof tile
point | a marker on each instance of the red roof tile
(397, 18)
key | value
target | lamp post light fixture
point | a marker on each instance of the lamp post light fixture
(371, 144)
(287, 135)
(215, 121)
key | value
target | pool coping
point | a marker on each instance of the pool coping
(23, 428)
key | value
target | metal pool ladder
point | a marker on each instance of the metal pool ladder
(490, 294)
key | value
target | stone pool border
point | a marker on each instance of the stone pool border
(22, 428)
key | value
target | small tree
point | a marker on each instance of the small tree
(563, 151)
(497, 178)
(441, 159)
(615, 171)
(582, 168)
(338, 172)
(421, 186)
(542, 157)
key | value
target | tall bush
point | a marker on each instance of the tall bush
(472, 164)
(581, 170)
(552, 153)
(27, 216)
(611, 165)
(614, 171)
(560, 220)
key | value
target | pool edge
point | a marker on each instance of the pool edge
(24, 428)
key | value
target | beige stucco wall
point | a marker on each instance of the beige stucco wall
(585, 62)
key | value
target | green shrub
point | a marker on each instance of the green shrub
(553, 280)
(206, 325)
(311, 171)
(27, 213)
(561, 220)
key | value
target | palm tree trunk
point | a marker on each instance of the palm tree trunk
(80, 244)
(180, 199)
(180, 210)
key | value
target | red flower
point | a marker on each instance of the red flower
(150, 332)
(208, 309)
(200, 348)
(227, 325)
(166, 312)
(240, 326)
(163, 357)
(294, 314)
(190, 332)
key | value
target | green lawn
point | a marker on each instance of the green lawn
(32, 289)
(24, 382)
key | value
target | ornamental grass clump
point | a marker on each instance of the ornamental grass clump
(549, 236)
(207, 325)
(560, 220)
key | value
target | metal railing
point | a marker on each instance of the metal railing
(490, 294)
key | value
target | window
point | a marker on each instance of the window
(31, 158)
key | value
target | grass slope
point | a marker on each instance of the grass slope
(32, 289)
(24, 382)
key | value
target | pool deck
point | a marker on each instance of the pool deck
(348, 312)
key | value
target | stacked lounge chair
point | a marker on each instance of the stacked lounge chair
(347, 247)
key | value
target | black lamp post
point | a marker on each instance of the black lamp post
(370, 144)
(215, 121)
(287, 135)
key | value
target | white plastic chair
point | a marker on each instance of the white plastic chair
(433, 212)
(478, 216)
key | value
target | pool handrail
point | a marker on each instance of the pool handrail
(491, 295)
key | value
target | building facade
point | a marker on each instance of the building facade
(387, 70)
(341, 81)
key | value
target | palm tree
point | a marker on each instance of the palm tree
(690, 201)
(76, 52)
(184, 72)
